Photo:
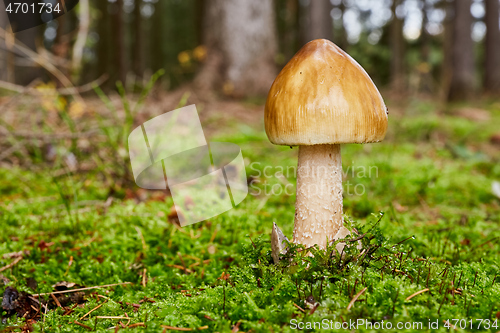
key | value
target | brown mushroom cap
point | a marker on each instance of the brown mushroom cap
(323, 96)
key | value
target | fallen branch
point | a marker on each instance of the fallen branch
(41, 61)
(82, 325)
(166, 327)
(63, 91)
(298, 307)
(97, 307)
(56, 300)
(15, 254)
(417, 293)
(12, 264)
(51, 136)
(82, 289)
(355, 298)
(7, 153)
(111, 317)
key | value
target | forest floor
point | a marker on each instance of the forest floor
(70, 212)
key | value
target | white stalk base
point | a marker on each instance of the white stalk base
(318, 209)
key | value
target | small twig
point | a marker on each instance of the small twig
(111, 317)
(213, 235)
(314, 309)
(51, 136)
(180, 267)
(97, 307)
(69, 311)
(417, 293)
(236, 327)
(475, 276)
(356, 239)
(298, 307)
(404, 240)
(182, 261)
(7, 153)
(12, 264)
(166, 327)
(144, 277)
(82, 289)
(136, 325)
(13, 255)
(444, 297)
(82, 325)
(64, 91)
(56, 300)
(355, 298)
(248, 237)
(144, 246)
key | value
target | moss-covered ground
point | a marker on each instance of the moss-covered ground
(423, 197)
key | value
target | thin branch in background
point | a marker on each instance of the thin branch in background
(43, 62)
(7, 153)
(81, 37)
(82, 289)
(51, 136)
(64, 91)
(12, 264)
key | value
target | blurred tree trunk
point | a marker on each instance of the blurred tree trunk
(446, 64)
(81, 38)
(291, 42)
(103, 50)
(319, 20)
(492, 59)
(240, 37)
(397, 50)
(156, 29)
(26, 70)
(119, 40)
(4, 53)
(463, 75)
(200, 13)
(138, 40)
(424, 69)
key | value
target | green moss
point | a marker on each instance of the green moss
(438, 194)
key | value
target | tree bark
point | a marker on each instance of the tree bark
(138, 44)
(463, 72)
(156, 54)
(119, 40)
(81, 38)
(446, 67)
(240, 37)
(425, 84)
(492, 54)
(4, 22)
(26, 74)
(320, 22)
(397, 50)
(291, 34)
(103, 51)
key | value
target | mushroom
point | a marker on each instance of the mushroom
(321, 99)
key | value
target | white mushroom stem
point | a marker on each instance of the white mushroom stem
(318, 209)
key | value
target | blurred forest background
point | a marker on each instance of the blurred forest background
(445, 49)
